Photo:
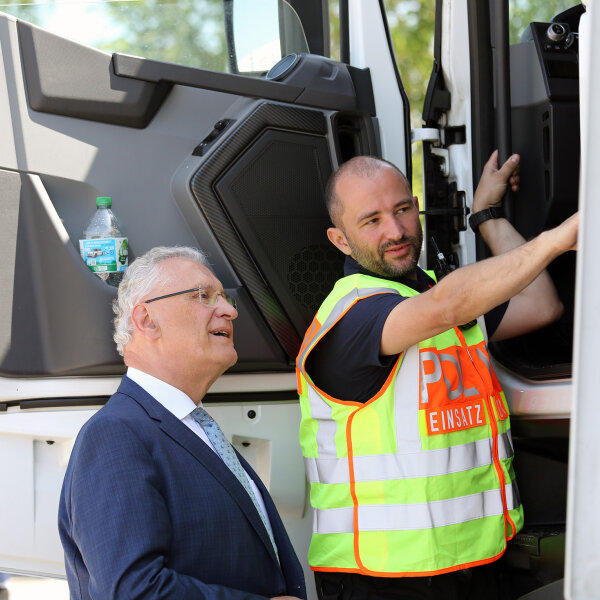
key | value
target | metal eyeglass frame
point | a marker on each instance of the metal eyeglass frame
(229, 299)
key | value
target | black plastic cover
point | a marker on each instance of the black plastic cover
(262, 193)
(316, 81)
(70, 79)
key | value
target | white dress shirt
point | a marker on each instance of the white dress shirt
(181, 406)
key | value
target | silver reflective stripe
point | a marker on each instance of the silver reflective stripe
(426, 463)
(327, 470)
(406, 403)
(319, 409)
(338, 310)
(326, 426)
(405, 517)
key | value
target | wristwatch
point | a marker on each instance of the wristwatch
(476, 219)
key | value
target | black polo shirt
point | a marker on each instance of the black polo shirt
(346, 363)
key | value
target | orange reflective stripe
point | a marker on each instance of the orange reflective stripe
(364, 571)
(310, 333)
(500, 409)
(318, 330)
(298, 382)
(324, 394)
(308, 336)
(494, 426)
(331, 398)
(356, 532)
(512, 526)
(353, 489)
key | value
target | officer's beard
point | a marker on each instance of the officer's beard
(378, 263)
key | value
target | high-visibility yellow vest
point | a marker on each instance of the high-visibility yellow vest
(418, 480)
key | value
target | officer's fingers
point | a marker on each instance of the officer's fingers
(492, 163)
(508, 168)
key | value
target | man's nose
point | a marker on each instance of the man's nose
(224, 309)
(393, 228)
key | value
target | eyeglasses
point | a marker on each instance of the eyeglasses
(207, 296)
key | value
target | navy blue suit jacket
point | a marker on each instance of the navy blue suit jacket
(148, 510)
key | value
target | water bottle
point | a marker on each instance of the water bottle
(104, 248)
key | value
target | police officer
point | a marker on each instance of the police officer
(405, 428)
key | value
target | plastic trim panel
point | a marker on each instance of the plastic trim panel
(210, 398)
(202, 184)
(69, 79)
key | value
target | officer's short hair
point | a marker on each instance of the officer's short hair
(362, 166)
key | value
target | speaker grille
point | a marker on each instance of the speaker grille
(312, 273)
(262, 193)
(274, 195)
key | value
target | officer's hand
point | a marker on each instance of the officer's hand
(492, 185)
(565, 235)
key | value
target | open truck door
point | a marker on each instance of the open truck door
(532, 95)
(519, 91)
(211, 124)
(582, 576)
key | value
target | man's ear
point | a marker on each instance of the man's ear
(143, 322)
(338, 239)
(416, 202)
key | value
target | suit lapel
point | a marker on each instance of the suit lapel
(195, 446)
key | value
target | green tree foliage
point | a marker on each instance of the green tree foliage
(188, 32)
(24, 11)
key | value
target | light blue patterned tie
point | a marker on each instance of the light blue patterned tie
(225, 450)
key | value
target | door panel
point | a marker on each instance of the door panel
(370, 46)
(39, 442)
(72, 158)
(543, 109)
(233, 165)
(546, 133)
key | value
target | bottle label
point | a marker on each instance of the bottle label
(105, 255)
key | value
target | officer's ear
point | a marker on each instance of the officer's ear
(338, 239)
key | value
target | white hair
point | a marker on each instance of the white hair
(140, 277)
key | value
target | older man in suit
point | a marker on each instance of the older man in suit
(156, 503)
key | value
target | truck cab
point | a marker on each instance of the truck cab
(216, 124)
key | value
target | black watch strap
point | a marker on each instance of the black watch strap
(476, 219)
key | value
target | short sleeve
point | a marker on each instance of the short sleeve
(346, 364)
(493, 318)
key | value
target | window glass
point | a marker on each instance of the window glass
(264, 31)
(188, 32)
